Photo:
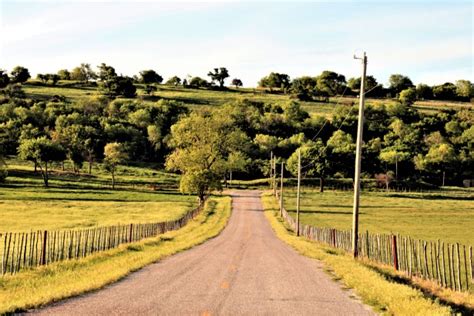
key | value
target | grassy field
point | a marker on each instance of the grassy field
(197, 98)
(387, 291)
(446, 214)
(77, 201)
(34, 288)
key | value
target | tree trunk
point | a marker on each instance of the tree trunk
(45, 175)
(444, 177)
(225, 179)
(90, 163)
(321, 184)
(396, 169)
(113, 180)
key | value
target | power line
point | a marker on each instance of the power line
(334, 109)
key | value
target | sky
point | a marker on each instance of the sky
(429, 41)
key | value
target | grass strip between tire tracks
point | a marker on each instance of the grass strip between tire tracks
(37, 287)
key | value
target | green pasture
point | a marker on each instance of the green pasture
(77, 201)
(447, 214)
(202, 98)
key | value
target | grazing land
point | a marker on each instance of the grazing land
(203, 98)
(81, 201)
(444, 214)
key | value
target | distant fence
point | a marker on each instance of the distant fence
(449, 265)
(27, 250)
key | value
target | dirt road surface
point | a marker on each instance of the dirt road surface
(246, 270)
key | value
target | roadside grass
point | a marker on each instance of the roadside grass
(37, 287)
(446, 214)
(383, 289)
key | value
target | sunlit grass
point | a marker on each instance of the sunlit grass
(33, 288)
(380, 288)
(77, 201)
(446, 214)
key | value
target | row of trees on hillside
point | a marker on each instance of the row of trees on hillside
(105, 73)
(330, 83)
(305, 88)
(399, 142)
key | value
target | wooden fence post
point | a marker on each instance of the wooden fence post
(43, 250)
(394, 251)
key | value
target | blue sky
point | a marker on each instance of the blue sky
(430, 41)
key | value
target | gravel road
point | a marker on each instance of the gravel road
(246, 270)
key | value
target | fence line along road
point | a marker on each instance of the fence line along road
(27, 250)
(450, 265)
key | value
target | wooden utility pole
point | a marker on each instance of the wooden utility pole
(271, 167)
(360, 128)
(274, 176)
(298, 195)
(281, 189)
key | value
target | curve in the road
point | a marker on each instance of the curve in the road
(245, 270)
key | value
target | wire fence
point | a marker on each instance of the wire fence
(23, 250)
(450, 265)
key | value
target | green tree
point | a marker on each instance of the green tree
(219, 75)
(112, 85)
(237, 83)
(330, 83)
(370, 84)
(304, 88)
(407, 96)
(20, 74)
(398, 83)
(114, 154)
(42, 77)
(393, 156)
(54, 78)
(439, 159)
(41, 151)
(314, 161)
(202, 145)
(198, 82)
(266, 143)
(64, 74)
(446, 91)
(424, 92)
(341, 150)
(4, 79)
(275, 80)
(3, 164)
(83, 73)
(464, 89)
(174, 81)
(14, 91)
(150, 76)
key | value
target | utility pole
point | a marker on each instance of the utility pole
(281, 189)
(274, 176)
(298, 195)
(271, 167)
(358, 160)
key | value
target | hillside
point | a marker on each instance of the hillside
(204, 97)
